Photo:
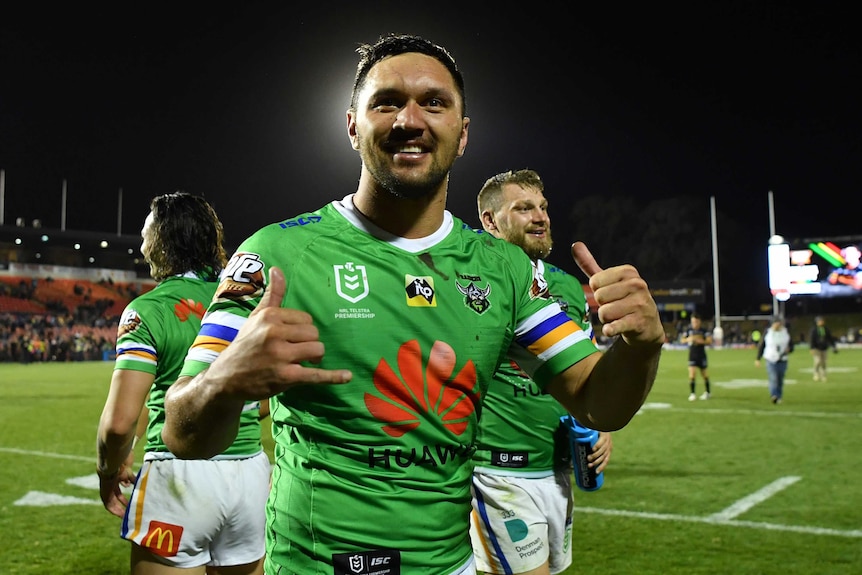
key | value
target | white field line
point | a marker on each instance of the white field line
(750, 501)
(855, 533)
(715, 519)
(41, 499)
(45, 454)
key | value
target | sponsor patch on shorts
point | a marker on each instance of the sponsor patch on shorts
(373, 562)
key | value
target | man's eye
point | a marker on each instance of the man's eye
(386, 103)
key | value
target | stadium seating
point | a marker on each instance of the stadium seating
(24, 295)
(9, 304)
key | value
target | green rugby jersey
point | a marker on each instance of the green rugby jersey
(519, 429)
(373, 476)
(154, 335)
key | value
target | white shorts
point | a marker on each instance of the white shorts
(200, 512)
(518, 523)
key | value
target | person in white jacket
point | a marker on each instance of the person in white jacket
(774, 348)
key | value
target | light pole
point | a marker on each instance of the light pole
(774, 239)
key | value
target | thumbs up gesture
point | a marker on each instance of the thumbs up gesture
(265, 357)
(626, 306)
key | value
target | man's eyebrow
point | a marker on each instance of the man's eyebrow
(431, 92)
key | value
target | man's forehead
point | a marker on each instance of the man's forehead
(410, 67)
(517, 191)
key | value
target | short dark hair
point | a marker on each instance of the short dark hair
(696, 315)
(394, 44)
(186, 235)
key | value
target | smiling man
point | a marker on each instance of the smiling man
(375, 325)
(522, 488)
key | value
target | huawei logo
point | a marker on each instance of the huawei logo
(416, 390)
(187, 307)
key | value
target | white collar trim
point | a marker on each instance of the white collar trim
(347, 208)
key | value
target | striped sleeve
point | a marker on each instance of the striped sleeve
(546, 340)
(218, 330)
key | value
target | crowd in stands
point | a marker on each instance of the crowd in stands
(27, 338)
(74, 322)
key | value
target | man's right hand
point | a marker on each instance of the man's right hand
(202, 413)
(265, 358)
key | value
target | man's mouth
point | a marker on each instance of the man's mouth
(412, 149)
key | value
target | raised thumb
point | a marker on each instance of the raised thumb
(585, 260)
(273, 295)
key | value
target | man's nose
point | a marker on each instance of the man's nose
(409, 117)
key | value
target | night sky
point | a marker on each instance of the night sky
(246, 104)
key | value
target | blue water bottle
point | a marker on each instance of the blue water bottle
(582, 439)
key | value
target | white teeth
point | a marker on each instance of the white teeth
(410, 150)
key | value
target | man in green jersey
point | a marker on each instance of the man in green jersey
(375, 431)
(522, 491)
(192, 516)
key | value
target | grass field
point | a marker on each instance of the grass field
(733, 485)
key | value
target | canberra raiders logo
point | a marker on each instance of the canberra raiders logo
(475, 298)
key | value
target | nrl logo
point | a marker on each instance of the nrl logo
(351, 283)
(475, 298)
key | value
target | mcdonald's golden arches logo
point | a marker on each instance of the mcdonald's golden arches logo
(163, 539)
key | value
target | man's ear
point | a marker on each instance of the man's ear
(487, 218)
(351, 130)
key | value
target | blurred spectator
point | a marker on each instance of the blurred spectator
(821, 341)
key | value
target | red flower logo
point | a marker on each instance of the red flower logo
(186, 307)
(407, 397)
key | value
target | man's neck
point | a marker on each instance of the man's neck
(407, 218)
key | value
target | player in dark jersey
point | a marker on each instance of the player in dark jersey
(697, 338)
(375, 325)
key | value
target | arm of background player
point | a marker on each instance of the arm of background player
(114, 439)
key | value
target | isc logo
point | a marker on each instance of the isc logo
(378, 561)
(299, 222)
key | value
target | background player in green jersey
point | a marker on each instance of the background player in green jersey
(522, 490)
(372, 475)
(188, 516)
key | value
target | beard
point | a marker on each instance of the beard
(536, 248)
(412, 185)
